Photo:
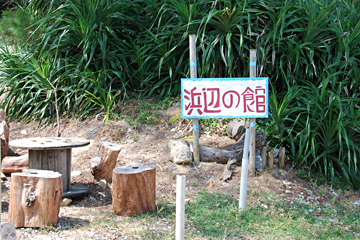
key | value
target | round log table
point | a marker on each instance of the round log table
(53, 153)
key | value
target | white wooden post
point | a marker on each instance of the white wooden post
(244, 170)
(252, 120)
(195, 121)
(180, 207)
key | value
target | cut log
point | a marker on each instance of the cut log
(220, 155)
(35, 198)
(133, 189)
(104, 163)
(263, 154)
(282, 158)
(234, 151)
(14, 164)
(271, 159)
(4, 134)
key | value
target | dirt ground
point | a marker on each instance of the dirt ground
(149, 145)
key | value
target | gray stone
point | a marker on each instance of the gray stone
(276, 152)
(180, 151)
(276, 160)
(357, 203)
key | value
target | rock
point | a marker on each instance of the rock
(7, 231)
(102, 183)
(276, 160)
(180, 151)
(75, 174)
(357, 203)
(276, 152)
(92, 198)
(23, 132)
(162, 113)
(65, 201)
(104, 139)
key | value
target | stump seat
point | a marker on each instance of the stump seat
(133, 189)
(35, 198)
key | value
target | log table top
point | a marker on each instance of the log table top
(45, 143)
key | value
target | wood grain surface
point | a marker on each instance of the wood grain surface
(43, 143)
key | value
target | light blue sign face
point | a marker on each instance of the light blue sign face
(224, 97)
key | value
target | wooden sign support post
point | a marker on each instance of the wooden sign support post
(252, 120)
(180, 207)
(193, 74)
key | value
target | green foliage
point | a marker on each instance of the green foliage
(104, 99)
(20, 30)
(324, 135)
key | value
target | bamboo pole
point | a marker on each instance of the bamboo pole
(252, 120)
(195, 121)
(180, 207)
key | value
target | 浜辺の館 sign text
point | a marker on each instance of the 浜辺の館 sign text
(224, 97)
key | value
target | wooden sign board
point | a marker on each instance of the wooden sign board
(224, 97)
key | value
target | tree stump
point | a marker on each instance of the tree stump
(35, 198)
(12, 164)
(104, 163)
(133, 189)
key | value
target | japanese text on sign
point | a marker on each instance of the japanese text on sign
(224, 97)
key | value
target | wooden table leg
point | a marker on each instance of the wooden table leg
(57, 160)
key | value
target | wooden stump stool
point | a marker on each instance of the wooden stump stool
(35, 198)
(103, 164)
(133, 189)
